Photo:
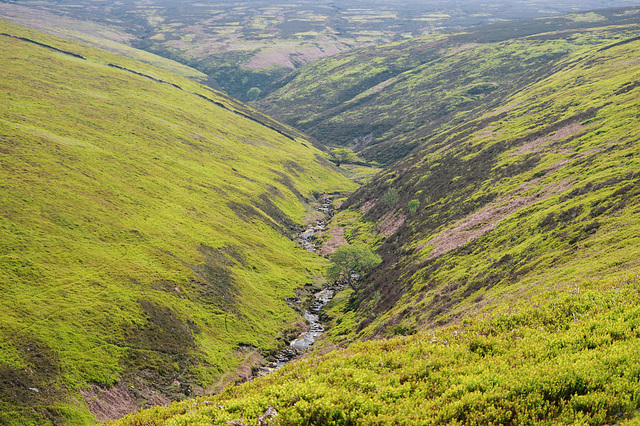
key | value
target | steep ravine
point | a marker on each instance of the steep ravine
(311, 305)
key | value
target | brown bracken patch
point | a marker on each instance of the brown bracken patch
(568, 130)
(290, 55)
(486, 219)
(113, 403)
(332, 244)
(390, 223)
(367, 206)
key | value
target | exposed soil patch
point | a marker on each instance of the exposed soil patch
(110, 403)
(508, 107)
(367, 206)
(486, 219)
(332, 244)
(487, 132)
(252, 362)
(535, 145)
(291, 55)
(390, 223)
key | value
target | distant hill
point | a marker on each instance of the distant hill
(145, 225)
(244, 46)
(385, 101)
(509, 287)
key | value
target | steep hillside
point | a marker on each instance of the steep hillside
(144, 232)
(385, 101)
(539, 192)
(538, 366)
(510, 260)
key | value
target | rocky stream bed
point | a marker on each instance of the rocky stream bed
(312, 305)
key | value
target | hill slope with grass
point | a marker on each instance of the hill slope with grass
(145, 225)
(539, 192)
(526, 366)
(243, 46)
(508, 288)
(385, 101)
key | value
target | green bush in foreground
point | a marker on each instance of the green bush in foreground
(571, 359)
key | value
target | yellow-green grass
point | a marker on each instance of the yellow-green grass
(389, 99)
(540, 192)
(143, 228)
(358, 173)
(514, 282)
(94, 34)
(570, 358)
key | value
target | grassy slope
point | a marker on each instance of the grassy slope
(143, 229)
(570, 360)
(540, 192)
(112, 39)
(536, 291)
(385, 101)
(250, 44)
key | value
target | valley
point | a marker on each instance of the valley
(168, 253)
(360, 100)
(243, 47)
(147, 226)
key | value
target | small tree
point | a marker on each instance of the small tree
(413, 206)
(253, 93)
(391, 197)
(356, 259)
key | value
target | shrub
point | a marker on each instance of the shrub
(355, 259)
(391, 197)
(253, 93)
(413, 206)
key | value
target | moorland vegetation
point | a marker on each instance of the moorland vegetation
(145, 232)
(507, 291)
(147, 226)
(384, 101)
(243, 46)
(541, 190)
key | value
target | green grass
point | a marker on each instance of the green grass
(241, 45)
(386, 100)
(510, 294)
(137, 216)
(569, 359)
(541, 193)
(143, 229)
(102, 36)
(359, 174)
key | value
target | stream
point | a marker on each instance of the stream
(312, 316)
(304, 238)
(305, 340)
(318, 300)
